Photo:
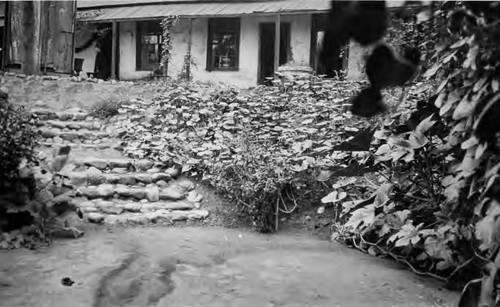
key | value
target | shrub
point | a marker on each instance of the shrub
(106, 108)
(17, 140)
(32, 196)
(264, 149)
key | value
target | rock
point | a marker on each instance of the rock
(161, 183)
(152, 194)
(58, 140)
(144, 178)
(88, 135)
(120, 170)
(96, 218)
(106, 190)
(128, 179)
(197, 214)
(90, 192)
(122, 163)
(77, 178)
(160, 176)
(57, 124)
(178, 205)
(80, 116)
(112, 178)
(173, 171)
(138, 193)
(109, 208)
(171, 193)
(99, 164)
(154, 170)
(74, 125)
(64, 115)
(194, 197)
(127, 192)
(95, 176)
(144, 165)
(70, 136)
(48, 133)
(187, 185)
(132, 207)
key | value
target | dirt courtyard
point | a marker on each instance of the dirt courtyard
(207, 267)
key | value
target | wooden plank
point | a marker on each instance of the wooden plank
(114, 36)
(277, 38)
(30, 25)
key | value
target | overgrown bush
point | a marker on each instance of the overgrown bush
(106, 108)
(17, 140)
(264, 149)
(437, 195)
(33, 198)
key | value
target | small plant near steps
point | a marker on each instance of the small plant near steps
(116, 190)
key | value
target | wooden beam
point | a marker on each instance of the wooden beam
(277, 39)
(113, 49)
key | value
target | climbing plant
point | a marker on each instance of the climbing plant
(167, 24)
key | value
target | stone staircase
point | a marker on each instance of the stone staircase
(110, 188)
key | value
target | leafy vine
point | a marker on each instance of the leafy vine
(167, 24)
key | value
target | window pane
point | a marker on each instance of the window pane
(149, 45)
(224, 42)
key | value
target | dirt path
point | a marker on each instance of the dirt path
(207, 267)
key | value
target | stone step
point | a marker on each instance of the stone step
(58, 135)
(117, 207)
(71, 125)
(71, 114)
(97, 177)
(150, 192)
(147, 218)
(96, 146)
(124, 165)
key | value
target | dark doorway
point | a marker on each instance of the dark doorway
(337, 61)
(103, 58)
(266, 55)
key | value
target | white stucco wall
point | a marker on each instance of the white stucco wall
(127, 49)
(246, 76)
(356, 61)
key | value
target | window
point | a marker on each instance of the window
(149, 39)
(223, 44)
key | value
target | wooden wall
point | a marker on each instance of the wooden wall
(52, 40)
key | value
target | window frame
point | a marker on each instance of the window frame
(143, 27)
(223, 25)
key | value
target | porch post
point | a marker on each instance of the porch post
(113, 49)
(190, 42)
(277, 38)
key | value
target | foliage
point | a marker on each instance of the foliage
(106, 108)
(31, 193)
(17, 140)
(438, 190)
(264, 149)
(167, 24)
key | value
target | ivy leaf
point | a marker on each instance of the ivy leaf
(364, 216)
(464, 109)
(425, 125)
(408, 235)
(334, 197)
